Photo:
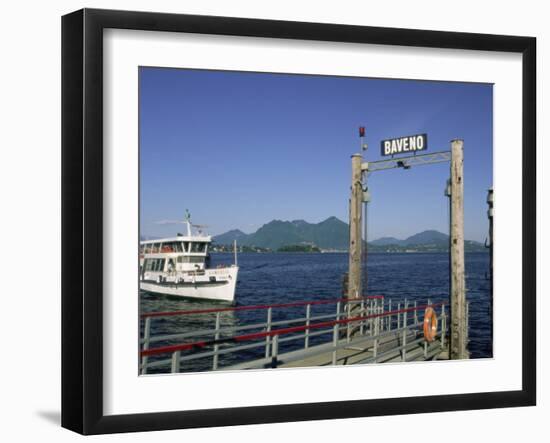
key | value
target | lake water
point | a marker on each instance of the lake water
(282, 278)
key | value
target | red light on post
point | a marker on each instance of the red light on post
(361, 131)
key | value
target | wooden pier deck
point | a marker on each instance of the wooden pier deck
(352, 354)
(390, 348)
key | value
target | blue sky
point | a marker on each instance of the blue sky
(241, 149)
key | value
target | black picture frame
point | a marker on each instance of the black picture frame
(82, 218)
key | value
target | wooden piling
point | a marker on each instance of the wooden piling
(459, 333)
(355, 230)
(490, 200)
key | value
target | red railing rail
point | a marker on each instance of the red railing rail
(256, 307)
(282, 331)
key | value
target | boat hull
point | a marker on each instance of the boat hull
(213, 285)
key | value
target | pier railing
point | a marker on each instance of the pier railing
(368, 322)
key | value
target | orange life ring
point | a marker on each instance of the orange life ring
(430, 324)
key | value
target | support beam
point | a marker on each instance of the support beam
(407, 162)
(490, 200)
(459, 333)
(355, 237)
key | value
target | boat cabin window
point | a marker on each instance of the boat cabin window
(174, 246)
(187, 259)
(198, 247)
(154, 264)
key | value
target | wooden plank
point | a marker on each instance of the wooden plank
(459, 334)
(355, 235)
(356, 352)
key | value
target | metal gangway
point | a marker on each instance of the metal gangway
(343, 331)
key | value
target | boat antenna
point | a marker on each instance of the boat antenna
(188, 222)
(235, 250)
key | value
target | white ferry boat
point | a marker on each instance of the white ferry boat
(180, 266)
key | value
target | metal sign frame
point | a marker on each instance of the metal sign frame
(357, 275)
(406, 162)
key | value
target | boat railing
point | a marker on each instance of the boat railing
(368, 320)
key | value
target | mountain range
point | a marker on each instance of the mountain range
(422, 238)
(333, 234)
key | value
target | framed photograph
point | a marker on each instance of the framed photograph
(268, 221)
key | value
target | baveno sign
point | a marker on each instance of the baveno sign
(404, 145)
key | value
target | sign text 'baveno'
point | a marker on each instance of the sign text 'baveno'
(404, 145)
